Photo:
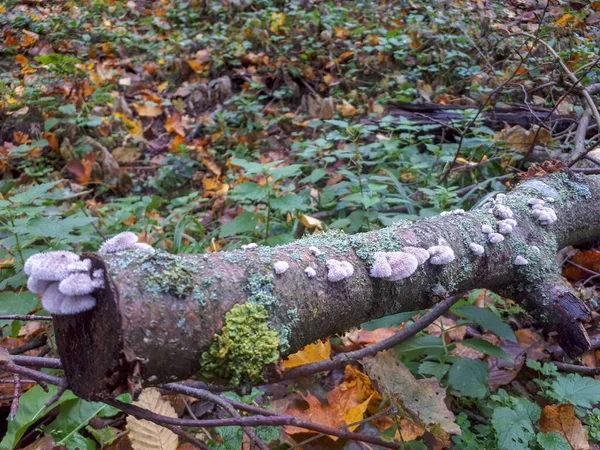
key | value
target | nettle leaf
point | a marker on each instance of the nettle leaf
(33, 193)
(419, 345)
(513, 427)
(577, 390)
(56, 227)
(288, 203)
(286, 172)
(31, 409)
(74, 415)
(14, 303)
(250, 191)
(552, 441)
(469, 377)
(438, 370)
(483, 346)
(488, 320)
(244, 223)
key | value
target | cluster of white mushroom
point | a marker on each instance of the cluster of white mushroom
(544, 214)
(394, 266)
(66, 282)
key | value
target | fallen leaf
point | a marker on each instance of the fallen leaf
(311, 353)
(451, 331)
(310, 222)
(346, 109)
(126, 154)
(561, 419)
(148, 109)
(421, 400)
(146, 435)
(589, 259)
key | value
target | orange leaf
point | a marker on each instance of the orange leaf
(82, 169)
(589, 259)
(176, 142)
(561, 419)
(211, 165)
(311, 353)
(148, 109)
(173, 124)
(196, 66)
(344, 56)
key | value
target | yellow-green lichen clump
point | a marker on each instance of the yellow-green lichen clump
(245, 346)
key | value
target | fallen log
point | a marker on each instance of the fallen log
(227, 317)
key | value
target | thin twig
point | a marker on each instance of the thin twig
(24, 317)
(34, 361)
(14, 407)
(574, 368)
(253, 421)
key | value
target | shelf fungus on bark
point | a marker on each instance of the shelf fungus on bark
(421, 254)
(280, 267)
(440, 255)
(394, 266)
(64, 281)
(495, 238)
(339, 270)
(476, 249)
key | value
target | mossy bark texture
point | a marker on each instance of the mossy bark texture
(164, 317)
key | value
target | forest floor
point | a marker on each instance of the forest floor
(204, 126)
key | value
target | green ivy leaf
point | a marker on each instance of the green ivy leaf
(469, 377)
(488, 320)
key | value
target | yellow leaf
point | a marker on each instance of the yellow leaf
(2, 9)
(311, 353)
(567, 20)
(148, 109)
(133, 127)
(311, 222)
(146, 435)
(277, 21)
(346, 109)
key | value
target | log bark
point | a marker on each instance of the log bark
(159, 313)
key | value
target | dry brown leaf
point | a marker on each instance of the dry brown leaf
(455, 333)
(146, 435)
(310, 222)
(346, 109)
(355, 339)
(311, 353)
(521, 140)
(148, 109)
(126, 155)
(561, 419)
(421, 400)
(589, 259)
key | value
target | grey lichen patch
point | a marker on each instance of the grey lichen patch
(368, 244)
(285, 329)
(260, 287)
(168, 274)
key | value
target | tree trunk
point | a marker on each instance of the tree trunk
(159, 313)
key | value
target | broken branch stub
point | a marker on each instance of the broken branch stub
(227, 316)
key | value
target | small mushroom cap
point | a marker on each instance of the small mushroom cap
(77, 304)
(315, 251)
(120, 242)
(310, 272)
(80, 266)
(421, 254)
(486, 229)
(250, 246)
(535, 201)
(494, 238)
(37, 286)
(50, 266)
(280, 267)
(504, 228)
(502, 211)
(52, 299)
(77, 284)
(476, 248)
(440, 254)
(380, 267)
(338, 270)
(142, 246)
(403, 265)
(520, 261)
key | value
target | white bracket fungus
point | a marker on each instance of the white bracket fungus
(280, 267)
(119, 243)
(394, 266)
(440, 254)
(64, 281)
(494, 238)
(520, 261)
(545, 215)
(315, 251)
(535, 201)
(476, 249)
(421, 254)
(502, 212)
(310, 272)
(500, 198)
(505, 227)
(487, 229)
(338, 270)
(250, 246)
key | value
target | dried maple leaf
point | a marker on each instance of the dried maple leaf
(589, 259)
(309, 354)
